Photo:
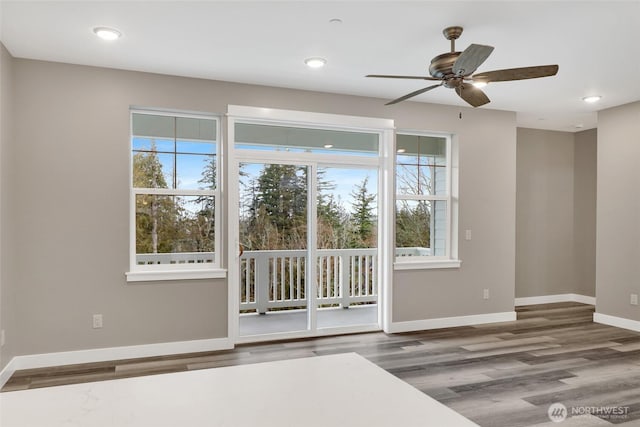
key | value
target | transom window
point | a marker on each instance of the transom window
(174, 187)
(271, 137)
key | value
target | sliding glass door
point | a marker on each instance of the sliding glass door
(347, 240)
(273, 234)
(307, 230)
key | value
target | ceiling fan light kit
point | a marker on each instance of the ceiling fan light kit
(455, 70)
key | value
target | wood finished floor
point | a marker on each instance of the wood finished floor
(502, 374)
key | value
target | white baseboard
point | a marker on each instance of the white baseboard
(449, 322)
(7, 371)
(46, 360)
(584, 299)
(619, 322)
(547, 299)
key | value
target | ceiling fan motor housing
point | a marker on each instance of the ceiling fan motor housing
(441, 66)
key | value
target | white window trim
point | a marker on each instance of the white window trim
(162, 275)
(146, 273)
(426, 264)
(450, 260)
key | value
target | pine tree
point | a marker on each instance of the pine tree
(156, 216)
(203, 225)
(331, 215)
(281, 195)
(362, 216)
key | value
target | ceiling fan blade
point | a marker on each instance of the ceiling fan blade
(471, 58)
(517, 73)
(385, 76)
(472, 95)
(412, 94)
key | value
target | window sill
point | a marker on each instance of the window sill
(427, 265)
(153, 276)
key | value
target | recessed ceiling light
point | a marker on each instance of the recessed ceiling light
(106, 33)
(592, 99)
(315, 62)
(579, 126)
(328, 145)
(401, 150)
(336, 21)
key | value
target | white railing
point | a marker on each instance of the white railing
(209, 257)
(416, 251)
(276, 279)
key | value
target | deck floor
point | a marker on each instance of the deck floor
(292, 321)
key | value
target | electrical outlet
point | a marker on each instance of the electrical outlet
(485, 294)
(2, 338)
(97, 321)
(634, 299)
(467, 235)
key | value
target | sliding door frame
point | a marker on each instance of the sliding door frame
(384, 165)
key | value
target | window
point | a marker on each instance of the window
(250, 136)
(423, 205)
(174, 189)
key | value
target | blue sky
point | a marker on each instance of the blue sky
(191, 166)
(345, 180)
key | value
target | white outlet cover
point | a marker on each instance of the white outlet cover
(97, 321)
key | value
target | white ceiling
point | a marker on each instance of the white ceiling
(265, 42)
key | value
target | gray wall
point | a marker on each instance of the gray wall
(487, 208)
(555, 214)
(70, 165)
(618, 213)
(585, 174)
(6, 120)
(70, 161)
(544, 213)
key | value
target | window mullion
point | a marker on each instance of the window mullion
(175, 152)
(174, 192)
(422, 197)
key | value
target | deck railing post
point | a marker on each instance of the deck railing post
(262, 282)
(345, 279)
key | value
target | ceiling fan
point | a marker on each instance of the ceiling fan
(455, 71)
